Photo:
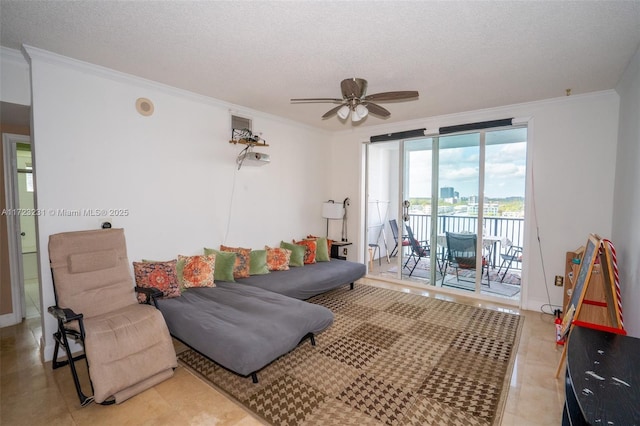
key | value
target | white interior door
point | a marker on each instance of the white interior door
(20, 216)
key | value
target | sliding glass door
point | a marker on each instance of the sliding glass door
(419, 158)
(447, 211)
(459, 211)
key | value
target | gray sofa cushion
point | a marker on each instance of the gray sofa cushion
(240, 327)
(303, 282)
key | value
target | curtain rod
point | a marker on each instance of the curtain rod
(407, 134)
(476, 126)
(398, 135)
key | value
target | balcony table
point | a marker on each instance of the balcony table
(490, 242)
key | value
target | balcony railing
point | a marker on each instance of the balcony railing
(504, 227)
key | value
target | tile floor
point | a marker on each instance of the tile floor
(387, 270)
(32, 296)
(33, 394)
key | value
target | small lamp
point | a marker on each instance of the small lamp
(331, 210)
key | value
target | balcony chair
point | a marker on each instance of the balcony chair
(126, 345)
(394, 231)
(419, 249)
(461, 254)
(374, 247)
(513, 254)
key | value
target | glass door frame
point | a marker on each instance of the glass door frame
(482, 168)
(439, 141)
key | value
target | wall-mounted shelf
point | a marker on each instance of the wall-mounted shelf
(248, 142)
(246, 137)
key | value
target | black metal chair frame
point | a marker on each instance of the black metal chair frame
(513, 254)
(65, 316)
(419, 250)
(462, 254)
(393, 224)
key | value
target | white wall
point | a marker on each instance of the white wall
(572, 150)
(626, 226)
(174, 172)
(14, 77)
(383, 196)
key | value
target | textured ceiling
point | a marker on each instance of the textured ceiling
(459, 55)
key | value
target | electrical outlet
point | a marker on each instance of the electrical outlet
(344, 251)
(559, 280)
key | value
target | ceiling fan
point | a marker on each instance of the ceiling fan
(356, 101)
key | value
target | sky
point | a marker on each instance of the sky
(459, 168)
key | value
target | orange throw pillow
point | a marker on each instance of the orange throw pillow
(242, 265)
(310, 250)
(278, 258)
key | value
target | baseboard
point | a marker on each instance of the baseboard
(8, 320)
(537, 305)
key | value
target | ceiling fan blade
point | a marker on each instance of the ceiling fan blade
(377, 109)
(332, 111)
(392, 96)
(353, 87)
(317, 100)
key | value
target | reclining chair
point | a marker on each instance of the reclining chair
(126, 345)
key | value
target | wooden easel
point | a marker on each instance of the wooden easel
(595, 253)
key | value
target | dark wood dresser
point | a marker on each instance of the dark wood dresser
(602, 379)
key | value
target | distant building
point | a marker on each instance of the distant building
(513, 214)
(490, 209)
(447, 192)
(448, 195)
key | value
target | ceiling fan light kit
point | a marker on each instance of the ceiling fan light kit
(356, 101)
(343, 112)
(360, 111)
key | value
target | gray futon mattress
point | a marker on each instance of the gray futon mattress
(303, 282)
(240, 327)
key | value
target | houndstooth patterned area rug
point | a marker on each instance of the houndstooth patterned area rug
(390, 358)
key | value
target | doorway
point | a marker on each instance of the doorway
(21, 225)
(461, 183)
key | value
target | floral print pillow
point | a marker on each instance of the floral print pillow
(310, 250)
(243, 262)
(196, 271)
(159, 275)
(278, 258)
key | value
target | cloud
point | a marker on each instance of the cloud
(505, 171)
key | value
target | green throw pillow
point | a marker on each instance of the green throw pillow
(258, 262)
(225, 262)
(297, 253)
(322, 251)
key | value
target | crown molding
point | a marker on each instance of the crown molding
(35, 53)
(521, 113)
(13, 55)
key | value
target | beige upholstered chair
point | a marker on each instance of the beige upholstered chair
(127, 345)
